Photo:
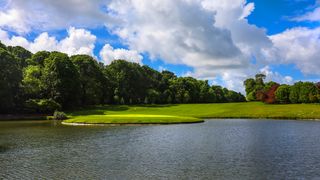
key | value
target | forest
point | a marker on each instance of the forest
(47, 81)
(273, 92)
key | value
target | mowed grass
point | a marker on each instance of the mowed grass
(157, 114)
(132, 119)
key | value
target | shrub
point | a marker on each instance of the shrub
(57, 115)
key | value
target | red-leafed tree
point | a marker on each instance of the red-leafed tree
(270, 94)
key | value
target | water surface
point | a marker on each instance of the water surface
(216, 149)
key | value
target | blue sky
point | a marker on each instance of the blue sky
(224, 41)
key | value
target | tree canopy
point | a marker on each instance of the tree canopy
(45, 81)
(272, 92)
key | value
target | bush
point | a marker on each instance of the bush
(42, 105)
(57, 115)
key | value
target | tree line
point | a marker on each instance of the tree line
(272, 92)
(48, 81)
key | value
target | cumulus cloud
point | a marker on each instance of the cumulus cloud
(310, 16)
(275, 76)
(299, 46)
(213, 37)
(23, 16)
(78, 41)
(108, 54)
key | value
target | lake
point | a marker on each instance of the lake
(216, 149)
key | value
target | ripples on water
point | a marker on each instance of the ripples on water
(217, 149)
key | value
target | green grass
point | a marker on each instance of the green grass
(132, 119)
(191, 113)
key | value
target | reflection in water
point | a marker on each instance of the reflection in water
(223, 149)
(3, 148)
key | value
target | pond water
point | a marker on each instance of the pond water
(216, 149)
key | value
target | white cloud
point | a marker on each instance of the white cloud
(310, 16)
(22, 16)
(275, 76)
(12, 18)
(247, 10)
(78, 41)
(108, 54)
(212, 37)
(299, 46)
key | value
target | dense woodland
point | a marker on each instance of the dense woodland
(272, 92)
(48, 81)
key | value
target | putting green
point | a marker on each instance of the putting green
(132, 119)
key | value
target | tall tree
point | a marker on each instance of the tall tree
(38, 58)
(31, 82)
(92, 79)
(10, 79)
(282, 94)
(61, 80)
(129, 80)
(21, 54)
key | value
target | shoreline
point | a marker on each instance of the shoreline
(202, 119)
(128, 124)
(180, 113)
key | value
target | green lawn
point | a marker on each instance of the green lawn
(191, 113)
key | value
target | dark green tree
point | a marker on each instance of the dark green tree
(20, 53)
(61, 80)
(38, 58)
(308, 93)
(10, 80)
(92, 79)
(282, 94)
(129, 79)
(295, 92)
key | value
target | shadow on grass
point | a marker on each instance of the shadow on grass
(154, 105)
(103, 109)
(97, 110)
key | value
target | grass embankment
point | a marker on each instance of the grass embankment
(187, 113)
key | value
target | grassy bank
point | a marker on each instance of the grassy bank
(192, 113)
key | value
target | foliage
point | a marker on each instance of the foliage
(271, 94)
(42, 105)
(282, 94)
(308, 93)
(29, 82)
(10, 79)
(38, 58)
(20, 53)
(61, 80)
(92, 79)
(251, 96)
(300, 92)
(57, 115)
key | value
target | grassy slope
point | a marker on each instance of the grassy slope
(193, 112)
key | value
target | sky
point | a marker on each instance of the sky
(223, 41)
